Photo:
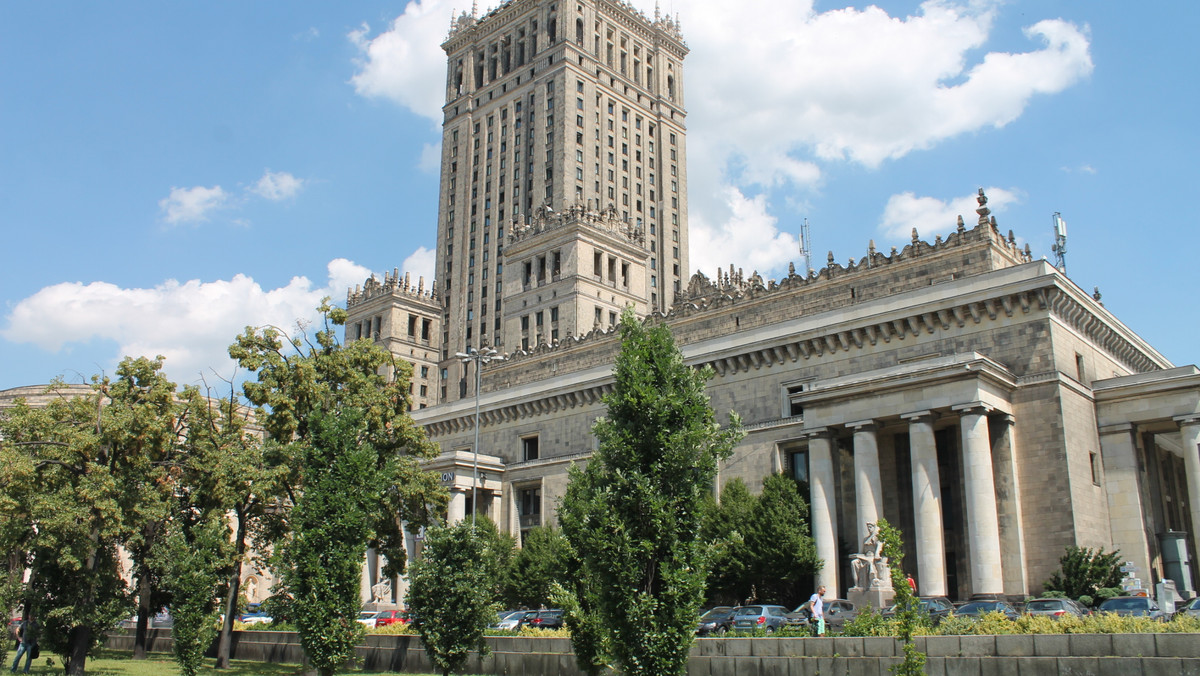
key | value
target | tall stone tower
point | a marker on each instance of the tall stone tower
(558, 111)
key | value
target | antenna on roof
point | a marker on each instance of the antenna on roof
(1060, 242)
(806, 248)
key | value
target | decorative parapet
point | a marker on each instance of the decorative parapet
(607, 222)
(392, 284)
(703, 294)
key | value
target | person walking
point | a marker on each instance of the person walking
(816, 606)
(27, 635)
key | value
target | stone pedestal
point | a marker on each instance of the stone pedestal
(372, 606)
(875, 597)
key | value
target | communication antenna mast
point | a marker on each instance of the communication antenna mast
(806, 248)
(1060, 242)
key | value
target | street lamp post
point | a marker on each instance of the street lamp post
(479, 357)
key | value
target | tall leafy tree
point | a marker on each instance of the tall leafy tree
(333, 408)
(724, 528)
(1084, 571)
(780, 554)
(193, 554)
(637, 505)
(535, 568)
(453, 591)
(77, 478)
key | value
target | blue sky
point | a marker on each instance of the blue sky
(175, 171)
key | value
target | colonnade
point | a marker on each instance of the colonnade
(979, 496)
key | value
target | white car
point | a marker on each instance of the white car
(367, 617)
(511, 619)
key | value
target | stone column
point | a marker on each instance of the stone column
(927, 505)
(823, 510)
(457, 509)
(868, 490)
(1189, 428)
(1008, 505)
(979, 494)
(1126, 514)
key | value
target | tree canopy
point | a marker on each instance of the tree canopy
(633, 515)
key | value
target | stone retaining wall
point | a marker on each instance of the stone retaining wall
(1027, 655)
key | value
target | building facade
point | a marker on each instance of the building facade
(973, 396)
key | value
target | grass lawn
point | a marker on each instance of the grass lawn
(115, 663)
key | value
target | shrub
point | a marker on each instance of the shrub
(1084, 571)
(869, 623)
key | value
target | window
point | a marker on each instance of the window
(529, 448)
(529, 501)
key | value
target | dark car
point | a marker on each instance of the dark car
(977, 609)
(768, 618)
(1055, 608)
(837, 613)
(1138, 606)
(547, 619)
(936, 608)
(715, 621)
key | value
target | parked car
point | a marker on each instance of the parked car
(256, 617)
(935, 607)
(510, 619)
(837, 613)
(716, 621)
(1055, 608)
(1190, 608)
(768, 618)
(367, 617)
(1139, 606)
(977, 609)
(162, 620)
(385, 617)
(547, 619)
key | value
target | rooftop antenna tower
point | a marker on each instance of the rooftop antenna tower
(806, 248)
(1060, 242)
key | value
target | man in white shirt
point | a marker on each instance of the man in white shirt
(817, 605)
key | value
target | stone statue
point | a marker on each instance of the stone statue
(382, 592)
(870, 566)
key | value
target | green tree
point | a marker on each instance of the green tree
(535, 568)
(579, 595)
(779, 552)
(637, 505)
(1084, 572)
(75, 477)
(331, 520)
(193, 556)
(452, 592)
(337, 418)
(724, 528)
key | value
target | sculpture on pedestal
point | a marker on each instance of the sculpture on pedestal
(870, 566)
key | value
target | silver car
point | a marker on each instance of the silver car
(1055, 608)
(767, 618)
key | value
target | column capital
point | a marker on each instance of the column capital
(817, 433)
(862, 425)
(1188, 420)
(919, 416)
(1118, 428)
(1003, 419)
(976, 407)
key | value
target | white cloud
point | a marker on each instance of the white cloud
(191, 323)
(931, 216)
(421, 264)
(748, 238)
(277, 186)
(190, 205)
(406, 63)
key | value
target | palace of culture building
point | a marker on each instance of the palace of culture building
(974, 396)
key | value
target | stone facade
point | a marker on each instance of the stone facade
(550, 107)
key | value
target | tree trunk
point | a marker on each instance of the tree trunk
(143, 617)
(225, 646)
(81, 640)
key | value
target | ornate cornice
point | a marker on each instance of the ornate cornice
(586, 396)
